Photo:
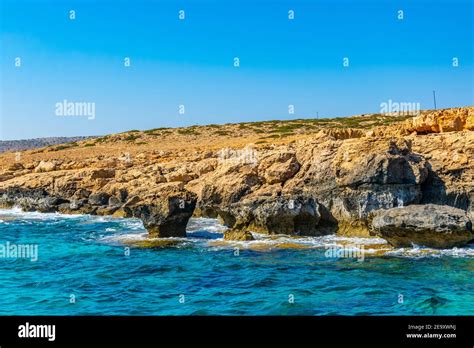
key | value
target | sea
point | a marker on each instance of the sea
(56, 264)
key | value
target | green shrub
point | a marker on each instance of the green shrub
(188, 131)
(131, 137)
(222, 132)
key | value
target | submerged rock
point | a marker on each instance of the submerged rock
(238, 235)
(106, 210)
(155, 243)
(123, 212)
(430, 225)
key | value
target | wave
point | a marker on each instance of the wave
(207, 232)
(316, 242)
(17, 212)
(369, 246)
(422, 252)
(125, 237)
(205, 224)
(199, 231)
(263, 241)
(133, 224)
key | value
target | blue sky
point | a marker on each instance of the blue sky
(190, 62)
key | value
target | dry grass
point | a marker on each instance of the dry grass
(209, 137)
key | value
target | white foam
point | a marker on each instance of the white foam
(133, 230)
(356, 243)
(321, 242)
(205, 224)
(422, 252)
(132, 224)
(316, 242)
(18, 213)
(12, 210)
(123, 237)
(128, 230)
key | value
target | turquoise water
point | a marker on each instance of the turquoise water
(84, 258)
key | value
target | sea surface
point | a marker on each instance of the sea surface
(89, 265)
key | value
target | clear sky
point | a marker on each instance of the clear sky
(190, 62)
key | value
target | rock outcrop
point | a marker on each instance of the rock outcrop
(354, 177)
(440, 121)
(164, 215)
(168, 214)
(291, 215)
(239, 235)
(429, 225)
(30, 200)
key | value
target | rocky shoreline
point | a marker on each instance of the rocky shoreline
(409, 183)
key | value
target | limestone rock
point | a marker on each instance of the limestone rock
(49, 204)
(100, 198)
(292, 215)
(238, 235)
(106, 210)
(114, 201)
(180, 175)
(132, 201)
(159, 178)
(278, 167)
(396, 165)
(123, 212)
(168, 214)
(45, 166)
(105, 173)
(288, 215)
(205, 166)
(440, 121)
(343, 133)
(81, 193)
(5, 177)
(15, 167)
(424, 225)
(227, 184)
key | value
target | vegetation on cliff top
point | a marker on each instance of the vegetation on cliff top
(260, 131)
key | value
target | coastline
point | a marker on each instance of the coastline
(209, 233)
(362, 182)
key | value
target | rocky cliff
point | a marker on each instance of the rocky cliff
(358, 176)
